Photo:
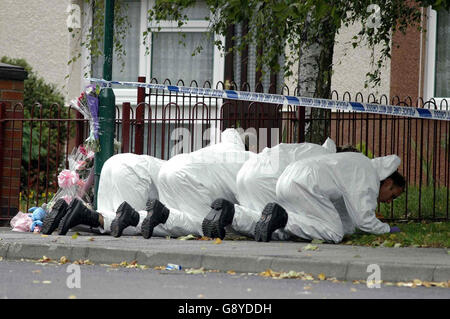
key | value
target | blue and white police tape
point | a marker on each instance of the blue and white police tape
(405, 111)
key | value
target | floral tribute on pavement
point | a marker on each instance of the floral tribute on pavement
(77, 180)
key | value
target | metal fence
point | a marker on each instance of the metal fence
(163, 124)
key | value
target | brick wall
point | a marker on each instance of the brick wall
(11, 100)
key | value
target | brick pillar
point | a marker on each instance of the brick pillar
(11, 93)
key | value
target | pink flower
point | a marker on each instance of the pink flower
(80, 183)
(67, 178)
(83, 150)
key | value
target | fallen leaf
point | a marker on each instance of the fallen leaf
(231, 272)
(44, 235)
(72, 297)
(91, 239)
(188, 237)
(321, 276)
(310, 247)
(217, 241)
(75, 236)
(46, 282)
(44, 259)
(317, 241)
(307, 288)
(195, 271)
(63, 260)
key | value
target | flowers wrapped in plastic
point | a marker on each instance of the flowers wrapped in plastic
(76, 181)
(87, 105)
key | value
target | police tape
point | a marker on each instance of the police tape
(405, 111)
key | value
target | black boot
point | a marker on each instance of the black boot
(53, 218)
(157, 214)
(78, 214)
(220, 216)
(273, 217)
(125, 216)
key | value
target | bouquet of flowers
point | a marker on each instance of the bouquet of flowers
(87, 105)
(78, 179)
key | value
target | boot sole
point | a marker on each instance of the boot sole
(62, 228)
(118, 225)
(273, 217)
(220, 216)
(53, 218)
(160, 215)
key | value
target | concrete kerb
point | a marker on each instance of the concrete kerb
(339, 269)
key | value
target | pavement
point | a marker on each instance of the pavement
(342, 262)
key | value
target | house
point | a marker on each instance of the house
(37, 31)
(419, 67)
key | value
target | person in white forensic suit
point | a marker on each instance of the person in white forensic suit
(126, 180)
(307, 190)
(186, 184)
(256, 186)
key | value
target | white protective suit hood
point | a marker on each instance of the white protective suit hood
(386, 165)
(330, 145)
(232, 136)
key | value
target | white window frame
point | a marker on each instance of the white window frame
(130, 94)
(430, 59)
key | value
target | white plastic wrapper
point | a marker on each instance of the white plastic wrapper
(309, 190)
(74, 181)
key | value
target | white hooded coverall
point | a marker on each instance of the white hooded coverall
(308, 188)
(257, 180)
(131, 178)
(189, 183)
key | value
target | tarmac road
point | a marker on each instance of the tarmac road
(25, 279)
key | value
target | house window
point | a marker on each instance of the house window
(437, 64)
(169, 57)
(130, 71)
(170, 54)
(172, 50)
(442, 76)
(172, 57)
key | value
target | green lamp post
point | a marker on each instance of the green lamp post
(107, 100)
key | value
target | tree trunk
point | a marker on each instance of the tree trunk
(314, 76)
